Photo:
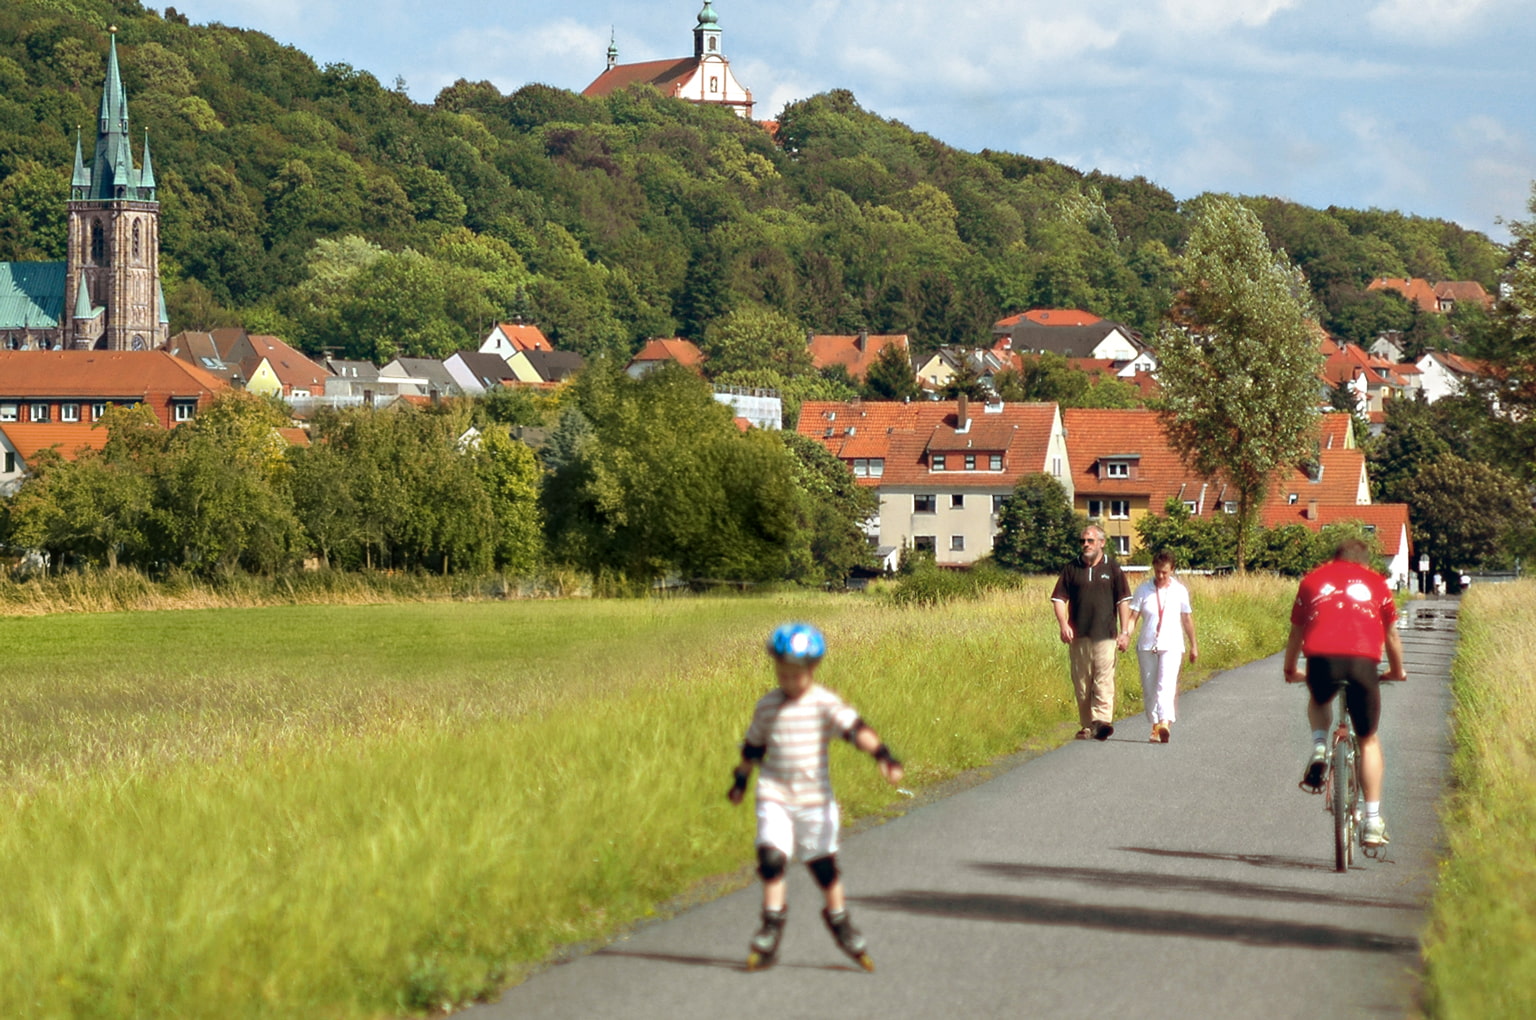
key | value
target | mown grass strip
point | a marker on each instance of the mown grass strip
(1480, 947)
(373, 811)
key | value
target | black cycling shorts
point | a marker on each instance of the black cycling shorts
(1362, 687)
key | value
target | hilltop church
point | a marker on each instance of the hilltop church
(105, 295)
(704, 78)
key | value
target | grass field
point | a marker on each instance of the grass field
(1480, 950)
(360, 811)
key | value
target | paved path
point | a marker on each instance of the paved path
(1119, 879)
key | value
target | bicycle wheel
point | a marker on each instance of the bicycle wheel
(1341, 779)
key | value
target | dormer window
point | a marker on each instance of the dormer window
(1117, 469)
(937, 463)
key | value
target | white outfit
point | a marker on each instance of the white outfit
(796, 813)
(1160, 648)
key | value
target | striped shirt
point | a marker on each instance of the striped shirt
(796, 734)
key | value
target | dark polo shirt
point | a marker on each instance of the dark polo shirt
(1091, 595)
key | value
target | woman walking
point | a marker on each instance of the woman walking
(1167, 628)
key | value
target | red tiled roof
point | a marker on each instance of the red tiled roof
(293, 370)
(1389, 519)
(525, 337)
(904, 433)
(855, 352)
(664, 74)
(102, 374)
(1417, 291)
(27, 438)
(684, 352)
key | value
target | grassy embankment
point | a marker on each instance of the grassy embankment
(1480, 950)
(363, 811)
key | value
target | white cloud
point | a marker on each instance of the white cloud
(1217, 15)
(1428, 21)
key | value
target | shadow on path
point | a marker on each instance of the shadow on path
(721, 962)
(1034, 910)
(1157, 882)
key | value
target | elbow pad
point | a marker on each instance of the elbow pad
(754, 752)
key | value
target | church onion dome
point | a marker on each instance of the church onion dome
(707, 16)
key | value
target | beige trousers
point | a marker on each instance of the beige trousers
(1093, 679)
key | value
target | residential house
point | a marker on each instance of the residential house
(1443, 374)
(1124, 468)
(1372, 379)
(704, 78)
(477, 373)
(1107, 340)
(947, 363)
(659, 352)
(419, 377)
(507, 338)
(1435, 297)
(1388, 522)
(256, 362)
(543, 368)
(855, 352)
(51, 399)
(942, 469)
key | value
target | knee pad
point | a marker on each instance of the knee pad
(770, 862)
(824, 870)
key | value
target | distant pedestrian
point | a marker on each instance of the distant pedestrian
(1092, 601)
(1466, 582)
(1167, 631)
(1439, 583)
(797, 816)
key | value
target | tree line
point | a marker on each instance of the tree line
(318, 205)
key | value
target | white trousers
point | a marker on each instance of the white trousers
(799, 833)
(1159, 683)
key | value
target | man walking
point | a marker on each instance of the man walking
(1092, 601)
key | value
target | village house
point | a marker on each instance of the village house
(853, 352)
(476, 373)
(941, 468)
(259, 363)
(1443, 374)
(507, 338)
(1440, 297)
(659, 352)
(52, 399)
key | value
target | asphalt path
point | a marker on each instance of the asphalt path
(1120, 878)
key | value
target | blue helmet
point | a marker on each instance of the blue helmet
(797, 642)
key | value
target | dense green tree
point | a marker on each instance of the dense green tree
(1410, 440)
(1197, 542)
(755, 339)
(1237, 369)
(833, 512)
(891, 376)
(1037, 529)
(1467, 514)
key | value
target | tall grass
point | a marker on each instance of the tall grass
(364, 811)
(1480, 948)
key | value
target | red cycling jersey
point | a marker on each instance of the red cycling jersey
(1343, 608)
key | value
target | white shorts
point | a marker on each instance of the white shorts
(803, 833)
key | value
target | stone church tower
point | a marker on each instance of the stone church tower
(112, 297)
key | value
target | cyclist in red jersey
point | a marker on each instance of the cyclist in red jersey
(1342, 617)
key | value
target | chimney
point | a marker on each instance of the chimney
(1311, 509)
(863, 340)
(962, 414)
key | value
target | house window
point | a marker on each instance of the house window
(1056, 466)
(997, 502)
(7, 412)
(995, 462)
(1119, 509)
(1370, 529)
(925, 504)
(97, 410)
(957, 543)
(69, 412)
(970, 462)
(1229, 506)
(1095, 508)
(1290, 499)
(957, 501)
(876, 467)
(1117, 469)
(924, 543)
(1190, 505)
(37, 412)
(937, 462)
(860, 467)
(1122, 545)
(10, 462)
(182, 410)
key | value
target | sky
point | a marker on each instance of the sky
(1427, 107)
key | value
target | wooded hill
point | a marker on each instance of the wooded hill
(317, 204)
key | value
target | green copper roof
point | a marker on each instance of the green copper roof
(31, 294)
(707, 16)
(112, 175)
(83, 307)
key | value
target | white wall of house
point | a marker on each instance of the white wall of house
(1436, 380)
(1116, 346)
(961, 524)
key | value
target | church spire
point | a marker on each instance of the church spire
(706, 34)
(613, 51)
(112, 173)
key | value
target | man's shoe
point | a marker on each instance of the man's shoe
(1103, 731)
(1312, 779)
(1373, 832)
(1164, 732)
(1085, 733)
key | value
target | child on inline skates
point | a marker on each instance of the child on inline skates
(797, 816)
